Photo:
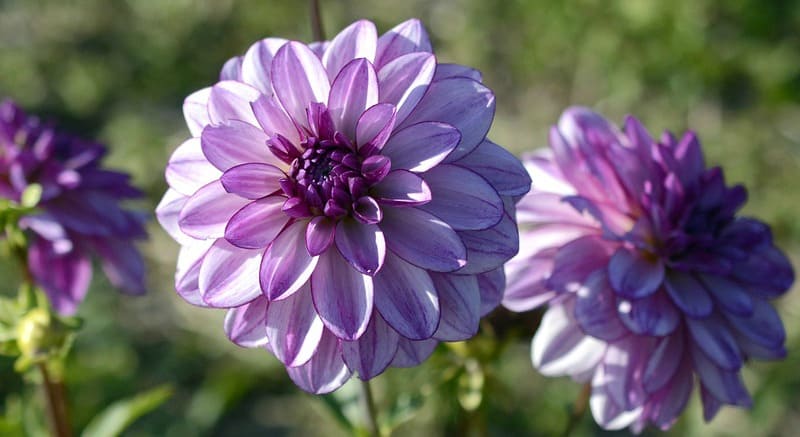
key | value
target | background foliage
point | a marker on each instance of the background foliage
(119, 70)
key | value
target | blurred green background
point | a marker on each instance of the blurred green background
(119, 71)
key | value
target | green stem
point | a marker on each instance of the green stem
(56, 403)
(578, 409)
(368, 405)
(317, 32)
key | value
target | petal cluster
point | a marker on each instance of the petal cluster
(79, 211)
(342, 201)
(654, 284)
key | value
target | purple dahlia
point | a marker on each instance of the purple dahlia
(79, 213)
(653, 282)
(342, 200)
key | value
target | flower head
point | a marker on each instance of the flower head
(78, 213)
(653, 281)
(341, 198)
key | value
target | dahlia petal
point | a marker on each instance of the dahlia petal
(716, 341)
(675, 398)
(195, 111)
(576, 260)
(244, 325)
(64, 278)
(257, 61)
(596, 310)
(460, 306)
(227, 275)
(526, 287)
(411, 353)
(287, 265)
(188, 169)
(167, 213)
(423, 240)
(326, 371)
(446, 71)
(407, 37)
(372, 353)
(653, 315)
(232, 69)
(498, 166)
(688, 294)
(470, 205)
(406, 298)
(711, 405)
(362, 245)
(230, 100)
(402, 188)
(374, 127)
(560, 348)
(404, 81)
(293, 327)
(252, 180)
(353, 91)
(492, 284)
(274, 120)
(724, 385)
(187, 274)
(421, 146)
(730, 295)
(319, 235)
(490, 248)
(122, 264)
(356, 41)
(233, 143)
(663, 362)
(634, 276)
(299, 79)
(342, 296)
(542, 208)
(608, 414)
(768, 270)
(257, 223)
(615, 373)
(206, 213)
(690, 156)
(461, 102)
(763, 326)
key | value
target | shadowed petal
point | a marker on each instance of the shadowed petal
(362, 245)
(188, 169)
(411, 353)
(233, 143)
(469, 205)
(688, 294)
(726, 386)
(716, 341)
(207, 212)
(421, 146)
(287, 265)
(299, 79)
(244, 325)
(326, 371)
(358, 40)
(460, 306)
(491, 248)
(651, 315)
(374, 127)
(372, 353)
(404, 81)
(492, 285)
(342, 296)
(319, 235)
(407, 37)
(596, 309)
(763, 326)
(498, 166)
(274, 120)
(257, 223)
(353, 91)
(402, 188)
(64, 278)
(663, 362)
(423, 240)
(406, 298)
(293, 327)
(252, 180)
(228, 275)
(633, 276)
(230, 101)
(257, 62)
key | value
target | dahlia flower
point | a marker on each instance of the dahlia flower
(342, 200)
(653, 282)
(79, 213)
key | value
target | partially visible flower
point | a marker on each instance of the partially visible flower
(341, 198)
(653, 282)
(79, 212)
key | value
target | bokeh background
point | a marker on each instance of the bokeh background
(119, 70)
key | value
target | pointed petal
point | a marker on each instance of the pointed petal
(407, 37)
(498, 166)
(353, 91)
(406, 298)
(688, 294)
(732, 296)
(257, 62)
(287, 265)
(188, 169)
(244, 325)
(596, 308)
(411, 353)
(763, 327)
(460, 306)
(469, 205)
(632, 275)
(362, 245)
(195, 111)
(372, 353)
(233, 143)
(725, 385)
(423, 240)
(299, 79)
(374, 127)
(293, 327)
(274, 120)
(492, 285)
(715, 339)
(319, 235)
(421, 146)
(257, 223)
(358, 40)
(342, 296)
(663, 362)
(206, 213)
(560, 348)
(326, 371)
(491, 248)
(401, 188)
(228, 275)
(652, 315)
(404, 81)
(230, 101)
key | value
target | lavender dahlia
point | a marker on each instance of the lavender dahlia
(79, 212)
(341, 198)
(653, 283)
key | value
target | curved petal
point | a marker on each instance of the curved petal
(230, 100)
(374, 127)
(406, 298)
(652, 315)
(244, 325)
(64, 278)
(358, 40)
(469, 205)
(407, 37)
(293, 327)
(257, 223)
(663, 362)
(730, 295)
(632, 275)
(228, 275)
(725, 385)
(423, 240)
(491, 248)
(402, 188)
(492, 285)
(715, 339)
(274, 120)
(596, 308)
(167, 213)
(353, 91)
(257, 62)
(342, 296)
(446, 71)
(234, 143)
(688, 294)
(503, 170)
(421, 146)
(325, 371)
(411, 353)
(404, 81)
(287, 265)
(206, 213)
(299, 79)
(252, 180)
(763, 326)
(460, 306)
(188, 169)
(320, 234)
(372, 353)
(560, 348)
(362, 245)
(195, 111)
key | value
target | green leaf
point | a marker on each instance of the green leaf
(121, 414)
(31, 196)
